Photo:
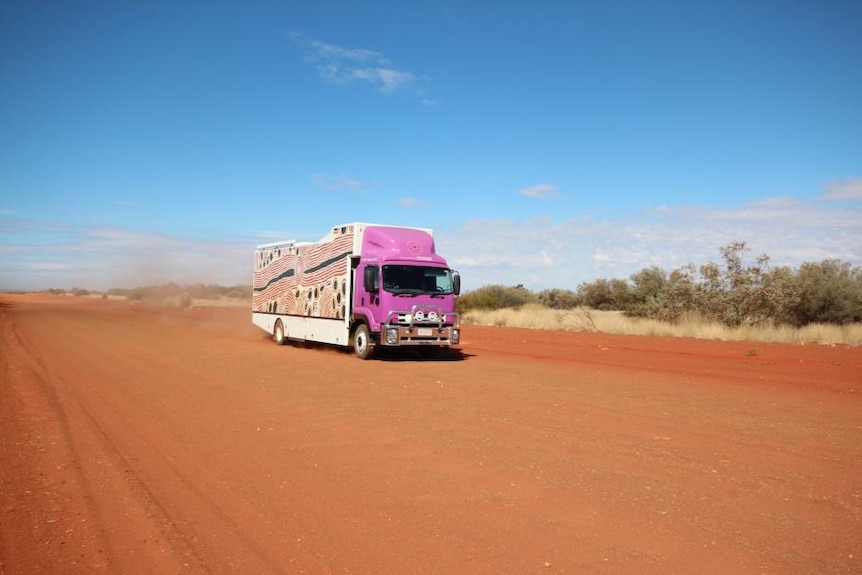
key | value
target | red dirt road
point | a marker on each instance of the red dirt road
(138, 440)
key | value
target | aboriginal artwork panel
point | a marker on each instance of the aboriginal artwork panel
(308, 279)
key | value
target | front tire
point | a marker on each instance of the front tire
(362, 343)
(278, 333)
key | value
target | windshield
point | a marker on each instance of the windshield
(413, 280)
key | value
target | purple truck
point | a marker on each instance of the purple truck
(361, 286)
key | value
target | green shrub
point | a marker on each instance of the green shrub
(605, 294)
(559, 299)
(737, 292)
(830, 292)
(495, 297)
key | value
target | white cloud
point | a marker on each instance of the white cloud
(585, 248)
(273, 235)
(393, 79)
(413, 203)
(846, 189)
(322, 50)
(340, 182)
(541, 191)
(776, 203)
(345, 66)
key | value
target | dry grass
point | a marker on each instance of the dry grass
(534, 316)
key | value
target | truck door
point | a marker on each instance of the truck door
(367, 293)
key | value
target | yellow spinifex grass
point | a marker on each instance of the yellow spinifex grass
(534, 316)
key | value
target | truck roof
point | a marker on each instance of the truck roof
(357, 226)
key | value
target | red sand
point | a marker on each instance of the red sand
(142, 439)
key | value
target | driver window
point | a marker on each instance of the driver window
(392, 278)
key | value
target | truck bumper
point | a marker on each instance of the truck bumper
(400, 335)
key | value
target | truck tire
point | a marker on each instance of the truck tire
(362, 343)
(278, 333)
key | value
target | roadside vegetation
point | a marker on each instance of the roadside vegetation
(736, 299)
(194, 295)
(740, 298)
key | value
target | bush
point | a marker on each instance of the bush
(737, 292)
(605, 294)
(646, 284)
(559, 299)
(674, 299)
(830, 292)
(495, 297)
(733, 295)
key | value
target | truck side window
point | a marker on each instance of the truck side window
(372, 279)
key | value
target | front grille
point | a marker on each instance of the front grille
(422, 315)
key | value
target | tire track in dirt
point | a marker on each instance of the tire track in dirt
(46, 502)
(161, 520)
(103, 483)
(297, 459)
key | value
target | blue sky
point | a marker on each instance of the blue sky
(547, 143)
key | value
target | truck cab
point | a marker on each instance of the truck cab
(406, 296)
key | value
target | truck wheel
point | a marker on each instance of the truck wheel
(278, 334)
(362, 342)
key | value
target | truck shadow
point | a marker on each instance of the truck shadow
(380, 354)
(415, 355)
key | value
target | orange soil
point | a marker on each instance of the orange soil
(138, 439)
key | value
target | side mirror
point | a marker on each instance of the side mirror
(369, 280)
(456, 283)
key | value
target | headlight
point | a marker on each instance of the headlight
(456, 336)
(392, 335)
